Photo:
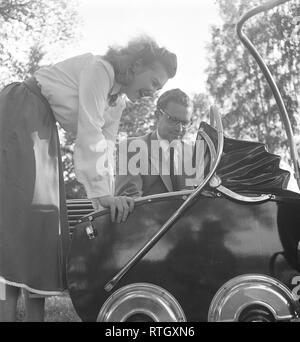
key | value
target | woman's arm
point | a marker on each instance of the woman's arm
(94, 155)
(91, 146)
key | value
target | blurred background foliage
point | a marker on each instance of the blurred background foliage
(30, 29)
(235, 81)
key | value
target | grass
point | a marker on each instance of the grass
(58, 309)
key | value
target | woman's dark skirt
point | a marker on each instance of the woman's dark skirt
(34, 236)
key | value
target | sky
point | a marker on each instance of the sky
(182, 26)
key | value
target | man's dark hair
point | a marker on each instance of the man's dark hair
(173, 95)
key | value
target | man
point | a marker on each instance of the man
(164, 171)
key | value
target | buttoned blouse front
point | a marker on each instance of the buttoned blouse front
(77, 90)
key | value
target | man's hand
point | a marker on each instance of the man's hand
(120, 206)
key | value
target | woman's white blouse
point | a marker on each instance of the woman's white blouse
(77, 90)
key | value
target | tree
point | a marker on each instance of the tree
(138, 118)
(236, 82)
(28, 29)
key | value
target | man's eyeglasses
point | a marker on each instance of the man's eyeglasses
(174, 121)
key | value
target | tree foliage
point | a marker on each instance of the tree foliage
(138, 118)
(28, 29)
(236, 82)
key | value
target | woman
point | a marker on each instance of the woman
(85, 95)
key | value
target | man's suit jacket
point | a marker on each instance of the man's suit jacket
(144, 185)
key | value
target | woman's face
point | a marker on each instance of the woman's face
(146, 81)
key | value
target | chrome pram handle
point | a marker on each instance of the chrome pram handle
(266, 72)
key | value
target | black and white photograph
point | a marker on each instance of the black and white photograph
(150, 163)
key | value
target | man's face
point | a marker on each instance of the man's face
(173, 121)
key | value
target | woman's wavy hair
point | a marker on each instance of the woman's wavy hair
(144, 50)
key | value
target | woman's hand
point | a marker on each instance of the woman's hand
(120, 206)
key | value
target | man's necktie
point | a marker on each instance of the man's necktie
(173, 176)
